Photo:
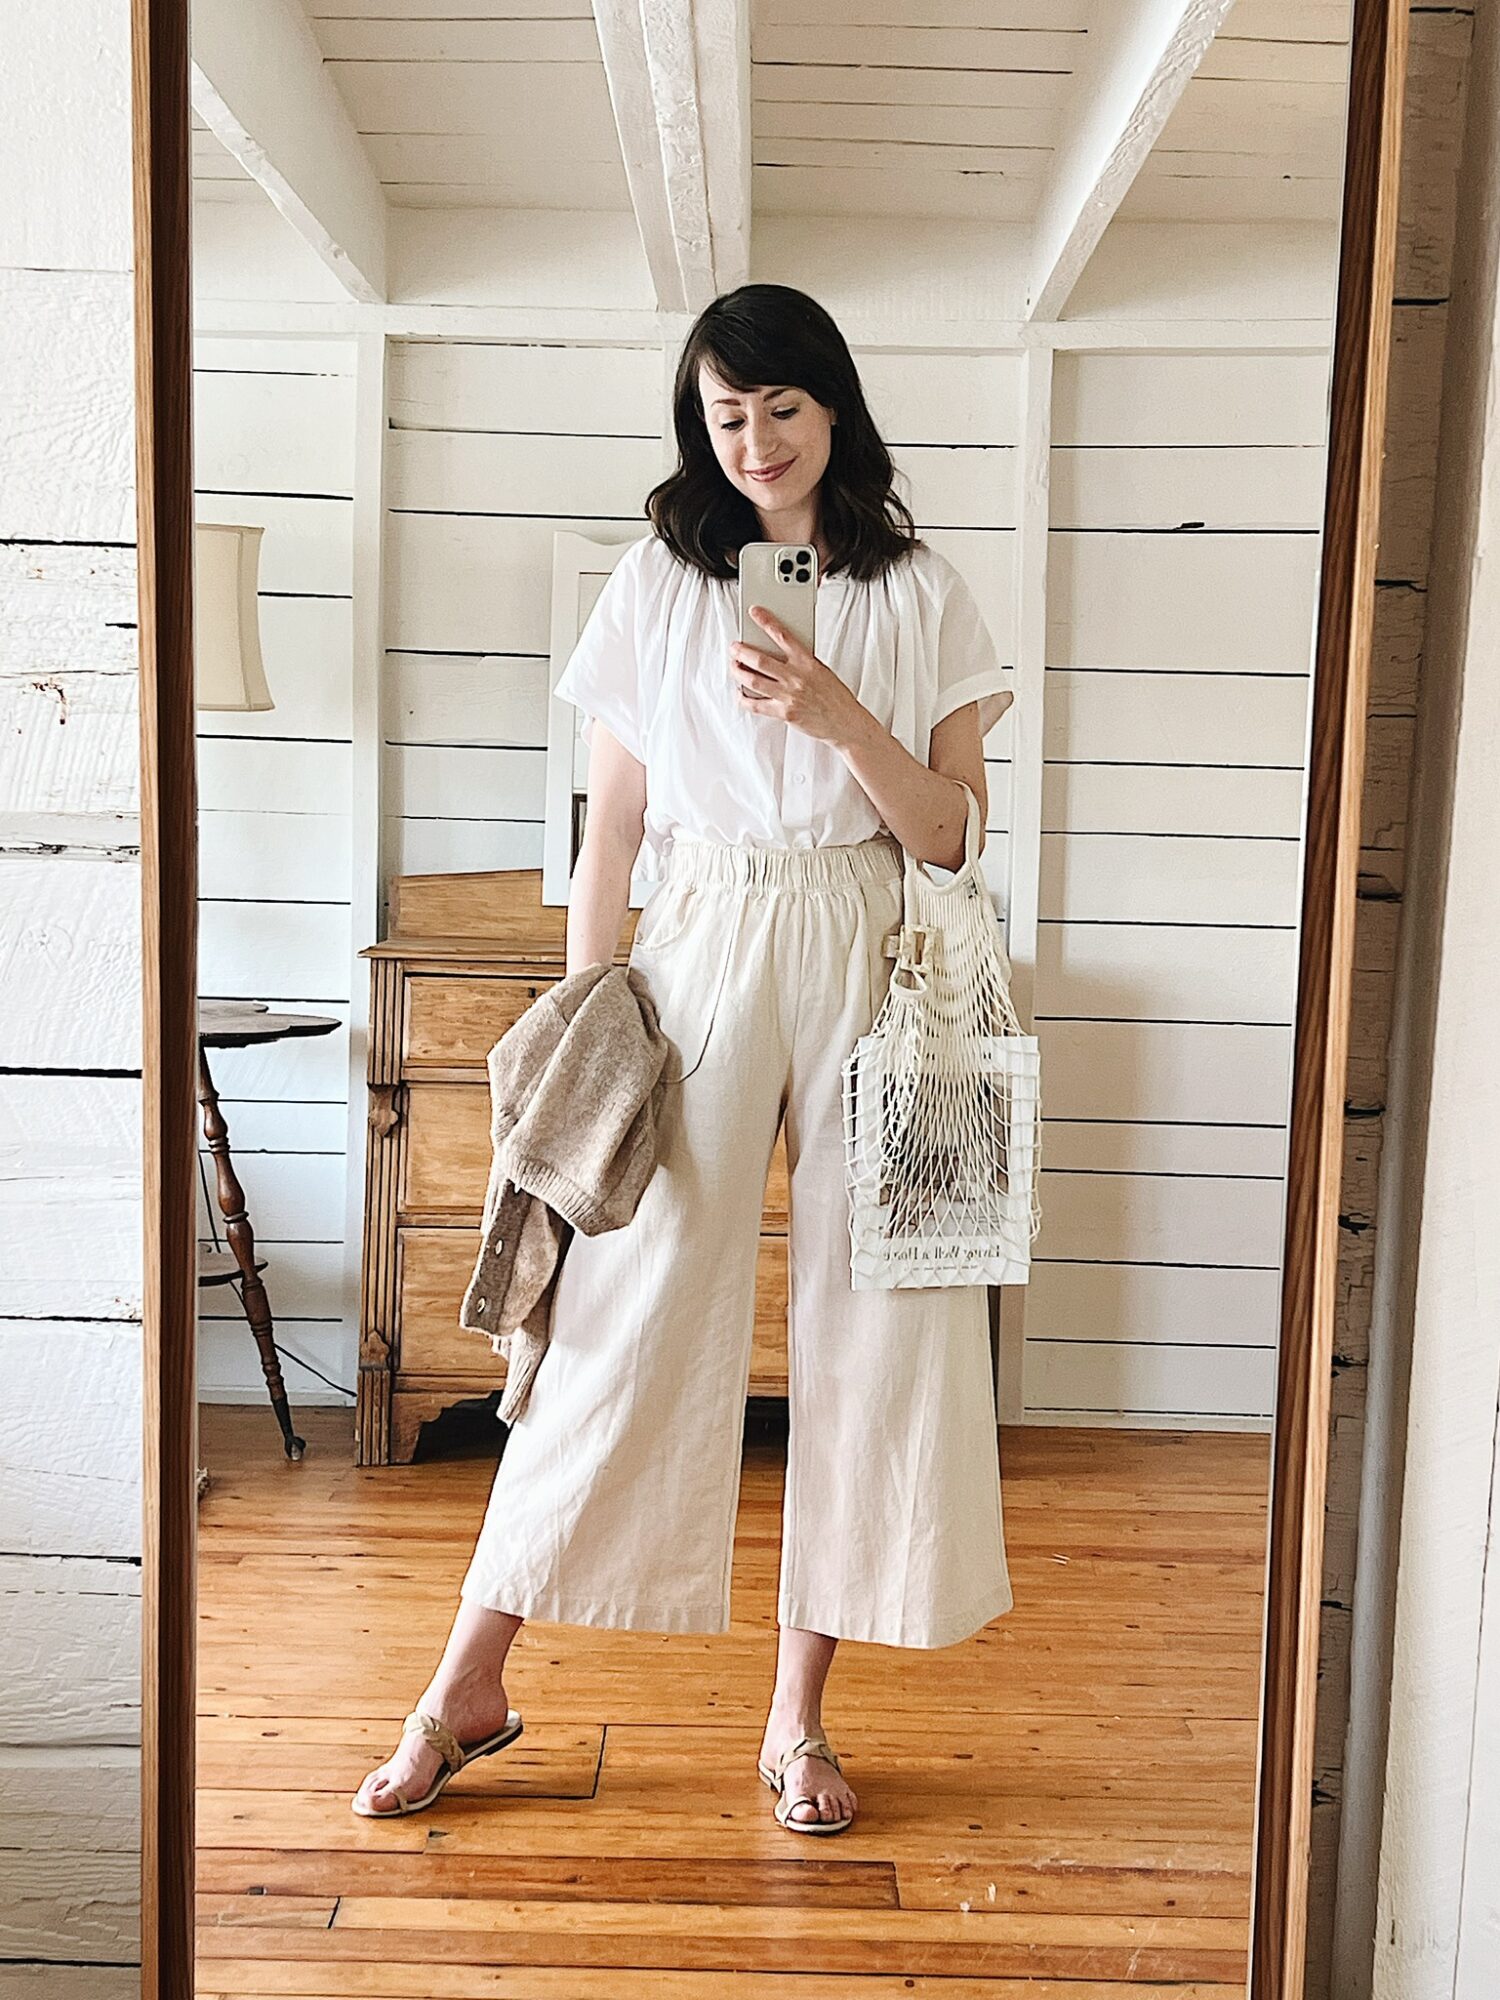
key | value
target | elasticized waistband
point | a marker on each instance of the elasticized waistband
(728, 863)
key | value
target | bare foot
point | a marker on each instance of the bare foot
(820, 1792)
(472, 1709)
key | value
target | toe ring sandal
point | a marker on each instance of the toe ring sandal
(453, 1753)
(805, 1746)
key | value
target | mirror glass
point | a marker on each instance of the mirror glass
(1083, 261)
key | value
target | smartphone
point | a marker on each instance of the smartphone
(783, 576)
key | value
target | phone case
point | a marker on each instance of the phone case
(783, 576)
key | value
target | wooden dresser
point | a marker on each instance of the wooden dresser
(467, 954)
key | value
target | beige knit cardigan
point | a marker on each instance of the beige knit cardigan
(576, 1090)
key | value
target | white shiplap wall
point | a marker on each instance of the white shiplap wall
(274, 443)
(1185, 503)
(491, 449)
(70, 1030)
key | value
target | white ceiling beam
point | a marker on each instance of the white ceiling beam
(260, 86)
(1139, 60)
(679, 81)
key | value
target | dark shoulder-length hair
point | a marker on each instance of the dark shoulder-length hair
(755, 335)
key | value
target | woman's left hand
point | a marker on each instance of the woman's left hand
(800, 689)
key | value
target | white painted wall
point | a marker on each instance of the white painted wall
(70, 1115)
(274, 443)
(1185, 507)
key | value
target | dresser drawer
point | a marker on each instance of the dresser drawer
(448, 1154)
(768, 1349)
(450, 1023)
(434, 1267)
(774, 1215)
(447, 1164)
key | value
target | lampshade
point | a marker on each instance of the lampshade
(229, 672)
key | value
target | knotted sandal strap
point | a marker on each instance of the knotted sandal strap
(438, 1734)
(807, 1746)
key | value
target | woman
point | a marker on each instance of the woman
(778, 797)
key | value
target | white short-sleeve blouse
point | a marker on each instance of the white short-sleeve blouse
(653, 664)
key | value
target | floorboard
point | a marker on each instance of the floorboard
(1060, 1806)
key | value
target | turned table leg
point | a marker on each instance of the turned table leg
(241, 1239)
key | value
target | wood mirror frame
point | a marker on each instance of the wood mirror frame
(162, 182)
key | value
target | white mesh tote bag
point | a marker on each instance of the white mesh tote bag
(942, 1124)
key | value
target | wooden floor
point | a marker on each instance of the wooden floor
(1063, 1801)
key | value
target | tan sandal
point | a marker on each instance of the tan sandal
(453, 1753)
(805, 1746)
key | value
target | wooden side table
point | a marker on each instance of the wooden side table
(242, 1024)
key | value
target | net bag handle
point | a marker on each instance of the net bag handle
(968, 867)
(910, 976)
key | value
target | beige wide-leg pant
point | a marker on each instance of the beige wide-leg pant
(614, 1501)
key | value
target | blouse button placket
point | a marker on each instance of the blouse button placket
(796, 781)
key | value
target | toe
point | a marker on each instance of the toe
(378, 1793)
